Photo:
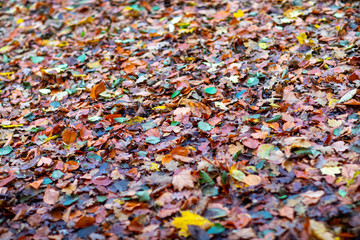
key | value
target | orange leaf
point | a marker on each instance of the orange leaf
(69, 136)
(180, 151)
(97, 89)
(166, 159)
(85, 221)
(36, 184)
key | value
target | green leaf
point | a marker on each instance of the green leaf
(81, 58)
(216, 229)
(5, 150)
(57, 174)
(152, 140)
(120, 119)
(70, 200)
(205, 178)
(204, 126)
(82, 34)
(253, 81)
(101, 198)
(37, 59)
(210, 90)
(177, 92)
(174, 123)
(224, 177)
(274, 119)
(36, 129)
(71, 91)
(342, 193)
(5, 58)
(143, 196)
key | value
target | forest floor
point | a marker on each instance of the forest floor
(205, 120)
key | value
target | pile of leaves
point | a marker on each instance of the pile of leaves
(210, 119)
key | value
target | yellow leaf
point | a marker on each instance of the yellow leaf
(302, 38)
(293, 13)
(5, 49)
(94, 65)
(332, 101)
(239, 14)
(11, 126)
(236, 174)
(154, 167)
(50, 138)
(189, 218)
(6, 73)
(159, 108)
(62, 44)
(134, 120)
(128, 8)
(263, 45)
(20, 20)
(186, 30)
(316, 26)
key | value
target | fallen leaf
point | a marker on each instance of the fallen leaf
(252, 180)
(69, 136)
(189, 218)
(85, 221)
(51, 196)
(97, 89)
(183, 179)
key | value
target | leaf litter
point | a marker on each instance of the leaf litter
(210, 120)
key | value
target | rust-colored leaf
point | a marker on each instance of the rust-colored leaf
(85, 221)
(97, 89)
(69, 136)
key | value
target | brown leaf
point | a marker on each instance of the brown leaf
(183, 179)
(97, 89)
(69, 136)
(251, 143)
(252, 180)
(287, 212)
(102, 181)
(7, 180)
(51, 196)
(85, 221)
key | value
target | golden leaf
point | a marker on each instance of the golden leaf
(189, 218)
